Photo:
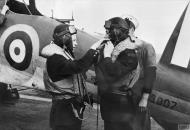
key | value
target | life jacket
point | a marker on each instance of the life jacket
(128, 80)
(69, 87)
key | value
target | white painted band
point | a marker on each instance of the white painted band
(18, 58)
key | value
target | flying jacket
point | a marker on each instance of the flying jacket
(61, 74)
(60, 79)
(110, 73)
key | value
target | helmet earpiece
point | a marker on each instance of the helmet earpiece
(132, 21)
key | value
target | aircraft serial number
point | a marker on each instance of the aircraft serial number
(162, 102)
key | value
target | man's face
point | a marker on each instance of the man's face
(111, 33)
(70, 42)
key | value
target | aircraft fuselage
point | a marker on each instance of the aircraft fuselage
(170, 99)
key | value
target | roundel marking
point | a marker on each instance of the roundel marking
(19, 44)
(18, 50)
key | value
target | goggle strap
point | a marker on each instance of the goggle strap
(65, 32)
(62, 33)
(109, 25)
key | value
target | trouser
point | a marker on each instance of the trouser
(116, 126)
(141, 121)
(69, 127)
(62, 116)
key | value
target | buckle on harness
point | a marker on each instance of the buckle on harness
(126, 90)
(129, 92)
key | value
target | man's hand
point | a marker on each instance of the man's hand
(97, 44)
(143, 102)
(108, 49)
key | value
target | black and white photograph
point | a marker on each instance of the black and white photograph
(94, 65)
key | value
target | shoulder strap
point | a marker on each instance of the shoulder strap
(135, 74)
(67, 55)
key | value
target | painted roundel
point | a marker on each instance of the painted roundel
(18, 50)
(20, 44)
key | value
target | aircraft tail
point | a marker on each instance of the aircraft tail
(178, 45)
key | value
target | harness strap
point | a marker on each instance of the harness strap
(77, 79)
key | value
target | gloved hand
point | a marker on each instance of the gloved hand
(143, 102)
(108, 49)
(97, 44)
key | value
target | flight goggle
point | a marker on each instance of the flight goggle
(72, 30)
(109, 25)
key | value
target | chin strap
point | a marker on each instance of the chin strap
(131, 39)
(122, 37)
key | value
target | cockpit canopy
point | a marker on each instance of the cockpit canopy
(23, 7)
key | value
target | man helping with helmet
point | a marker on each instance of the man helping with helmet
(125, 78)
(63, 78)
(132, 22)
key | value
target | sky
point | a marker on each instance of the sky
(157, 18)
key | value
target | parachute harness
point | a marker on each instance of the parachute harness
(82, 90)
